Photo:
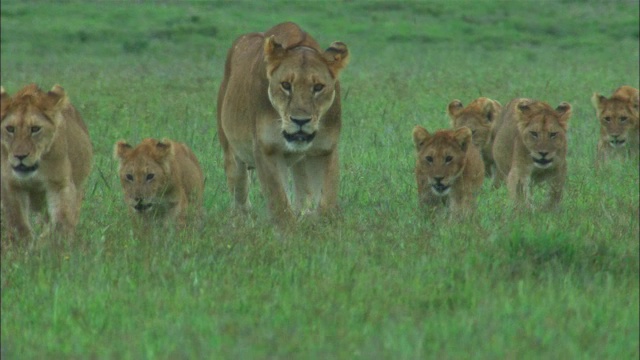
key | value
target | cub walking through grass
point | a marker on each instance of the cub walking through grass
(46, 159)
(619, 125)
(448, 167)
(162, 182)
(479, 116)
(531, 147)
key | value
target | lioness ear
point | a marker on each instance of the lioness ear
(6, 100)
(564, 111)
(454, 108)
(121, 149)
(273, 53)
(56, 100)
(337, 55)
(598, 101)
(164, 149)
(420, 136)
(463, 137)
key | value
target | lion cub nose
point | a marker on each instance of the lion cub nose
(300, 121)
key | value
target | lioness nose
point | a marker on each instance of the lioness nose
(543, 154)
(438, 179)
(300, 121)
(21, 157)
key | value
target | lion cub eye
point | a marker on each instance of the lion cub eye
(129, 177)
(286, 85)
(429, 159)
(448, 159)
(35, 129)
(150, 177)
(623, 119)
(318, 87)
(534, 134)
(10, 129)
(552, 135)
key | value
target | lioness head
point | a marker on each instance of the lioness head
(618, 116)
(477, 116)
(441, 156)
(543, 131)
(29, 122)
(302, 87)
(144, 172)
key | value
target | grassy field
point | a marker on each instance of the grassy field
(382, 282)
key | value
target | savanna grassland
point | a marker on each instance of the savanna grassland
(380, 282)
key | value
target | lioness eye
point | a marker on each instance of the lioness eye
(534, 134)
(607, 119)
(623, 118)
(318, 87)
(448, 159)
(10, 129)
(552, 135)
(150, 176)
(429, 159)
(35, 129)
(129, 177)
(286, 85)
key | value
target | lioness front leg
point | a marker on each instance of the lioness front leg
(518, 185)
(237, 181)
(63, 210)
(556, 188)
(272, 171)
(324, 175)
(15, 207)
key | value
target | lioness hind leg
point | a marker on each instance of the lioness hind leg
(238, 182)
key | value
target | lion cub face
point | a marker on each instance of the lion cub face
(477, 116)
(543, 131)
(144, 173)
(302, 86)
(29, 124)
(440, 157)
(618, 116)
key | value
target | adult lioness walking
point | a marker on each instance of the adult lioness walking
(279, 108)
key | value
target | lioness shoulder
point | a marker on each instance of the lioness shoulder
(279, 110)
(531, 147)
(619, 125)
(161, 181)
(479, 116)
(46, 158)
(448, 167)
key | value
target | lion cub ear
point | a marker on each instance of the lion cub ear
(491, 109)
(598, 101)
(121, 150)
(273, 53)
(564, 112)
(420, 136)
(454, 108)
(164, 149)
(337, 56)
(463, 137)
(6, 100)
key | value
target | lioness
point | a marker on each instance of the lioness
(161, 180)
(46, 158)
(279, 108)
(619, 125)
(448, 166)
(531, 147)
(479, 116)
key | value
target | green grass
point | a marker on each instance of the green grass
(383, 281)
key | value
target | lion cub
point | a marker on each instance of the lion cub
(531, 147)
(619, 125)
(479, 117)
(448, 167)
(162, 181)
(46, 159)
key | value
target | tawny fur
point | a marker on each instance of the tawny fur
(619, 124)
(530, 147)
(479, 116)
(448, 168)
(46, 158)
(271, 81)
(162, 182)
